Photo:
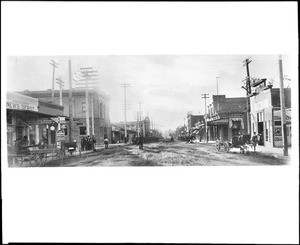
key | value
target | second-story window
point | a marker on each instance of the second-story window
(83, 105)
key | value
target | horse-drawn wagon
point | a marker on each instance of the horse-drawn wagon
(242, 142)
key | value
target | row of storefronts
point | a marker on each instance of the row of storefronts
(227, 117)
(32, 119)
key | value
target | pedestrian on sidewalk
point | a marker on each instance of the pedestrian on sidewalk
(254, 140)
(93, 139)
(83, 144)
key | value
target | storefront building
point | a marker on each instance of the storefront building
(196, 127)
(33, 118)
(266, 114)
(226, 117)
(98, 104)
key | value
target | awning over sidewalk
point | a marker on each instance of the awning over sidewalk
(223, 121)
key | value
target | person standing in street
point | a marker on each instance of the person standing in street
(105, 141)
(140, 142)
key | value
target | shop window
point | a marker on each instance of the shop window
(277, 123)
(83, 106)
(52, 135)
(82, 130)
(19, 133)
(267, 130)
(260, 117)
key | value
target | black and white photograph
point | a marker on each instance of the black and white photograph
(150, 122)
(155, 110)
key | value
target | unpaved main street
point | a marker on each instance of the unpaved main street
(169, 154)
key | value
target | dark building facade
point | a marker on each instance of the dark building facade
(226, 117)
(196, 126)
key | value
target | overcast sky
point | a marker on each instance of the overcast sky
(168, 86)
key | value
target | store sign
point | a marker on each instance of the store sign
(37, 122)
(278, 118)
(17, 101)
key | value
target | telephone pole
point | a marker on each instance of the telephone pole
(71, 126)
(142, 132)
(125, 85)
(55, 65)
(283, 114)
(88, 77)
(60, 82)
(248, 92)
(138, 124)
(218, 78)
(205, 96)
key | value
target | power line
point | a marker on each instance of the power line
(61, 83)
(205, 96)
(125, 85)
(248, 92)
(88, 75)
(55, 64)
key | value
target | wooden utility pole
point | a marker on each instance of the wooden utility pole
(138, 124)
(125, 85)
(88, 76)
(55, 65)
(283, 114)
(218, 78)
(248, 92)
(60, 82)
(71, 126)
(205, 96)
(92, 109)
(142, 133)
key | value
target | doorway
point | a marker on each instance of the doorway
(260, 131)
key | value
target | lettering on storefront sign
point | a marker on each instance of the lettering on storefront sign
(278, 118)
(213, 118)
(37, 122)
(18, 106)
(17, 101)
(60, 133)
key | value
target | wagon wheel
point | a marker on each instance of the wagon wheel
(242, 150)
(42, 158)
(60, 156)
(35, 159)
(226, 147)
(19, 160)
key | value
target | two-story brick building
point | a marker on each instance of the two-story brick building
(98, 111)
(266, 114)
(226, 117)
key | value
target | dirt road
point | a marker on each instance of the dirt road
(170, 154)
